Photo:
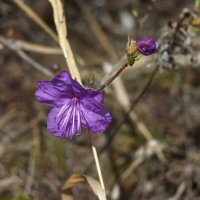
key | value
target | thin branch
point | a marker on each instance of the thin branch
(110, 80)
(126, 115)
(37, 48)
(14, 47)
(30, 13)
(144, 90)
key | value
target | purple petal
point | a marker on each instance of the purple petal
(64, 122)
(48, 94)
(52, 125)
(57, 91)
(64, 82)
(44, 97)
(94, 116)
(73, 106)
(63, 77)
(93, 94)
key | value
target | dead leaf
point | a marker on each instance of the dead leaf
(76, 179)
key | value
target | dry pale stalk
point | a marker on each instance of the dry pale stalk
(179, 193)
(100, 35)
(61, 27)
(98, 167)
(37, 48)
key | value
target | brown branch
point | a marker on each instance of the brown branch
(126, 115)
(110, 80)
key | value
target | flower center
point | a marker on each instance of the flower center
(69, 118)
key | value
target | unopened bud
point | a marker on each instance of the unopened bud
(146, 46)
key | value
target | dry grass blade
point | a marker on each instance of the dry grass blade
(96, 187)
(36, 18)
(75, 180)
(9, 182)
(60, 23)
(7, 117)
(179, 193)
(141, 154)
(28, 46)
(100, 35)
(14, 47)
(98, 167)
(66, 197)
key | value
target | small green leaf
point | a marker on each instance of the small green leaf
(138, 57)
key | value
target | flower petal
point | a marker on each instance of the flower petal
(94, 116)
(61, 88)
(48, 94)
(64, 82)
(52, 125)
(64, 122)
(94, 95)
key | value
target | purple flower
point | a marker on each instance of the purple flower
(146, 46)
(73, 107)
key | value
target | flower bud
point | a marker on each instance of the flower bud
(146, 46)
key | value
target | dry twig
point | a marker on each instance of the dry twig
(14, 47)
(181, 189)
(29, 12)
(60, 23)
(37, 48)
(100, 35)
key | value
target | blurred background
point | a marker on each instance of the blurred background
(152, 148)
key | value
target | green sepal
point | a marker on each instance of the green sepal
(138, 57)
(130, 60)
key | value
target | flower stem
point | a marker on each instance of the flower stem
(98, 167)
(110, 80)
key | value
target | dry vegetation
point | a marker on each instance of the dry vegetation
(152, 148)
